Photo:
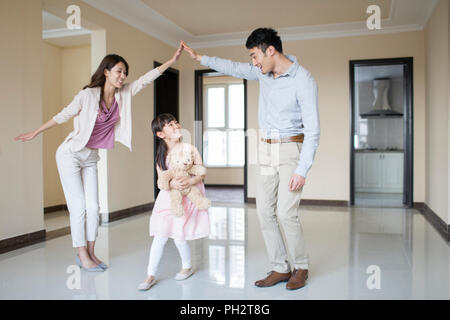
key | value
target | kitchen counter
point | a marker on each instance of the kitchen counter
(379, 150)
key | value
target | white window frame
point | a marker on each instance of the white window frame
(225, 127)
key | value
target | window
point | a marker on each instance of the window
(224, 137)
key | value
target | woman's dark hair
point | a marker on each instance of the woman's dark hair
(161, 147)
(98, 78)
(264, 38)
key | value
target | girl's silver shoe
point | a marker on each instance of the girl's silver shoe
(146, 285)
(183, 276)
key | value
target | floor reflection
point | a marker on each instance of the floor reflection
(381, 238)
(226, 245)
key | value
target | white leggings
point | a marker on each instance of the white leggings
(156, 252)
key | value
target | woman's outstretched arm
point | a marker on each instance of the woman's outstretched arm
(30, 135)
(152, 75)
(67, 113)
(174, 59)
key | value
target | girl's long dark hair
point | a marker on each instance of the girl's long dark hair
(98, 78)
(161, 147)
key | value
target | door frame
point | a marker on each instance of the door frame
(177, 73)
(408, 128)
(199, 119)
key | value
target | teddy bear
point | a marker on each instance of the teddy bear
(183, 160)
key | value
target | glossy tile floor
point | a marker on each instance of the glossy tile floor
(413, 260)
(379, 200)
(225, 194)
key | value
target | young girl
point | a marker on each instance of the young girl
(194, 224)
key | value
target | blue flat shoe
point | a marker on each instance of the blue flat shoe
(103, 266)
(94, 269)
(97, 268)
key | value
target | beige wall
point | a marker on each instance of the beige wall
(328, 61)
(437, 115)
(76, 73)
(51, 104)
(130, 175)
(21, 94)
(65, 72)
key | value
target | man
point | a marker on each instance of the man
(289, 125)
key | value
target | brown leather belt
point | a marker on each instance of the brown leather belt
(298, 138)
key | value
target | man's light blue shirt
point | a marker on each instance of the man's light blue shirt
(288, 105)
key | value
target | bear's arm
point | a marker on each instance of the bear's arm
(164, 177)
(197, 169)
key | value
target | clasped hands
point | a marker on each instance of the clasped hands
(181, 183)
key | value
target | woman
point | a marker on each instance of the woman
(97, 110)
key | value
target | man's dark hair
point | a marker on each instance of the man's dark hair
(264, 38)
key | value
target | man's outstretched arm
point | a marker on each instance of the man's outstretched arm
(235, 69)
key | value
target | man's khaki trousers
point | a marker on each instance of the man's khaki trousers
(276, 205)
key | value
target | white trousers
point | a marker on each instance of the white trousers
(78, 174)
(156, 253)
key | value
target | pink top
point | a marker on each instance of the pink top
(102, 135)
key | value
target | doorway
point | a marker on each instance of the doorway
(165, 100)
(220, 134)
(381, 132)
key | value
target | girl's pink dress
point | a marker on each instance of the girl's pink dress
(194, 224)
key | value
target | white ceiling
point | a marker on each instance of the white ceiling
(241, 16)
(213, 23)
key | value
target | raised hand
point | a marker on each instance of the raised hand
(172, 60)
(177, 54)
(192, 52)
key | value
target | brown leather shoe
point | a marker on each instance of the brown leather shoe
(272, 279)
(298, 279)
